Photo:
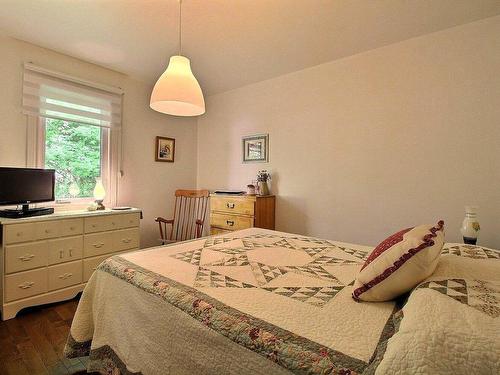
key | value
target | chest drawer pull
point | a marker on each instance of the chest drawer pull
(126, 240)
(26, 258)
(61, 254)
(70, 252)
(26, 285)
(230, 222)
(65, 276)
(19, 234)
(98, 245)
(230, 205)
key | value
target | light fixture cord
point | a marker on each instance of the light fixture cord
(180, 27)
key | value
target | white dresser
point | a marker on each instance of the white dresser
(49, 258)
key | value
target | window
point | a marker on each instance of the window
(78, 154)
(75, 129)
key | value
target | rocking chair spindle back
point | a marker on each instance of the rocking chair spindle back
(189, 216)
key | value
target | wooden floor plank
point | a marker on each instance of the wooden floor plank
(65, 313)
(14, 367)
(33, 342)
(8, 349)
(31, 358)
(16, 330)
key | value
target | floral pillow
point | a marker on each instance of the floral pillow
(399, 263)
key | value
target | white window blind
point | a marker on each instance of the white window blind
(52, 95)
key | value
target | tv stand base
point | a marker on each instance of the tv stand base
(17, 214)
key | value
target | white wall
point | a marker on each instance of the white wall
(364, 146)
(360, 147)
(146, 184)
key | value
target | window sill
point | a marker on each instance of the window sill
(70, 204)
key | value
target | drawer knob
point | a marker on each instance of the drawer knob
(47, 231)
(65, 276)
(70, 252)
(93, 225)
(71, 228)
(19, 234)
(230, 222)
(126, 240)
(26, 285)
(98, 245)
(27, 257)
(61, 254)
(230, 205)
(113, 223)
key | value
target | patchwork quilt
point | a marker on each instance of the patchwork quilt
(250, 302)
(265, 302)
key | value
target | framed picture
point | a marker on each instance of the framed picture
(165, 149)
(256, 148)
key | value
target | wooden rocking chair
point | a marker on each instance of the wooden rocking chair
(189, 217)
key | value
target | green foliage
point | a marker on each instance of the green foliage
(74, 151)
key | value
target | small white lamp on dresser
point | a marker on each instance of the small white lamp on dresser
(50, 258)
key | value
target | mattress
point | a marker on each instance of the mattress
(249, 302)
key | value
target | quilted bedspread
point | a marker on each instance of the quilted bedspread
(450, 324)
(250, 302)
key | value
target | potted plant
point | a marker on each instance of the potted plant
(262, 177)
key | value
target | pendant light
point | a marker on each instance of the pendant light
(177, 92)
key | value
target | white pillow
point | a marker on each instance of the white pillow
(399, 263)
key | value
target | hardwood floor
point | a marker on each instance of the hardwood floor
(33, 342)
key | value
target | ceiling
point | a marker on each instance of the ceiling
(231, 43)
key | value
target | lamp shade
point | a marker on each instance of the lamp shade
(99, 192)
(177, 92)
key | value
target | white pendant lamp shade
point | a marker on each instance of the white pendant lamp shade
(177, 92)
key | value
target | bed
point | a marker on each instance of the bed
(249, 302)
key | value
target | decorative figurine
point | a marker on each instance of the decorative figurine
(470, 226)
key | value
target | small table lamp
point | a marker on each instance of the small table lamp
(99, 193)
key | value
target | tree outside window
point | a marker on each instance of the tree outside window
(74, 151)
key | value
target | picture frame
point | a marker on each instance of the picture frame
(165, 149)
(255, 148)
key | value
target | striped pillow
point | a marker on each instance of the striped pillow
(399, 263)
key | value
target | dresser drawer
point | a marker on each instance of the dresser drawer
(70, 227)
(236, 205)
(25, 284)
(25, 257)
(102, 223)
(97, 244)
(47, 229)
(125, 239)
(19, 233)
(129, 220)
(65, 249)
(230, 222)
(215, 231)
(64, 275)
(90, 265)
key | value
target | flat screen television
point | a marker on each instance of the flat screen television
(22, 186)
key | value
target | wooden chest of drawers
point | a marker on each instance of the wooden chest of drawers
(229, 213)
(49, 258)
